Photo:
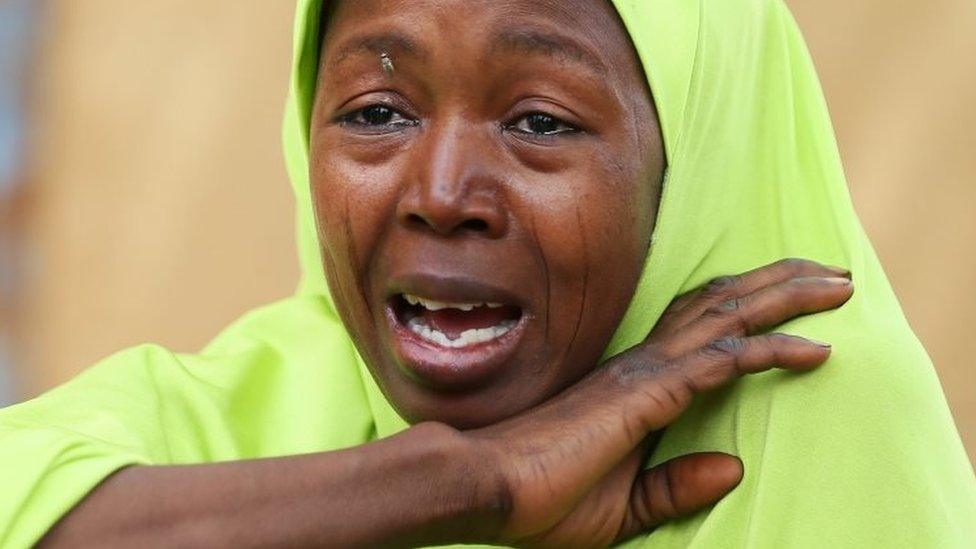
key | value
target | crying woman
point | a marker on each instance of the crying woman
(545, 303)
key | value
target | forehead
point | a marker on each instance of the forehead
(587, 31)
(558, 11)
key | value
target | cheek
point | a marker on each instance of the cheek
(594, 240)
(352, 207)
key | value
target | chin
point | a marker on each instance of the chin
(464, 406)
(468, 412)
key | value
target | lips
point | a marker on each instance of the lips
(453, 333)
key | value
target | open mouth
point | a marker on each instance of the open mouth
(454, 345)
(455, 325)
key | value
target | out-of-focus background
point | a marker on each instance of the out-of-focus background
(143, 197)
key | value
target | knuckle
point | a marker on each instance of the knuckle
(724, 355)
(731, 305)
(722, 287)
(642, 509)
(725, 347)
(730, 315)
(776, 343)
(714, 312)
(725, 308)
(627, 370)
(668, 508)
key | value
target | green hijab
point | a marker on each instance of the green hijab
(861, 453)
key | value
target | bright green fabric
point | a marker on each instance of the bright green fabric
(862, 453)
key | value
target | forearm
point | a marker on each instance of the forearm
(421, 487)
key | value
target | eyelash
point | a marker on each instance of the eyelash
(563, 128)
(358, 118)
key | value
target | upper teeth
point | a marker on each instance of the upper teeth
(432, 305)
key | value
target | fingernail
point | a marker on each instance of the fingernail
(839, 281)
(846, 273)
(820, 343)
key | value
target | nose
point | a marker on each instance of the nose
(453, 185)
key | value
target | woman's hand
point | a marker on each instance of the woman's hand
(571, 468)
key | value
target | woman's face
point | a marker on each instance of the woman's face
(485, 176)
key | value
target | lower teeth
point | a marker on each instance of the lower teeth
(467, 337)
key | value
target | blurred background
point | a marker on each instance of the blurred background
(143, 195)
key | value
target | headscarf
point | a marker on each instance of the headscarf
(861, 453)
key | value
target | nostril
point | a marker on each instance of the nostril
(476, 225)
(414, 219)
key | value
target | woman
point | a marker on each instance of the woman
(478, 184)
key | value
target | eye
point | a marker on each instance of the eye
(542, 124)
(377, 118)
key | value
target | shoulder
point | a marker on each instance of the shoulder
(862, 452)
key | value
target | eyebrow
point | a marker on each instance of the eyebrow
(550, 44)
(390, 42)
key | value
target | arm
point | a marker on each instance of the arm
(423, 487)
(566, 472)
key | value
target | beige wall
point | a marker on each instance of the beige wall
(161, 211)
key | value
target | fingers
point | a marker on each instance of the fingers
(757, 312)
(665, 373)
(782, 271)
(692, 305)
(726, 359)
(678, 488)
(665, 392)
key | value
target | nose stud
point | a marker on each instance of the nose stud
(386, 63)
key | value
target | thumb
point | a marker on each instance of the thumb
(677, 488)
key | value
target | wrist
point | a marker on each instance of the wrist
(466, 484)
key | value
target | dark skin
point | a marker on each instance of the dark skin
(461, 174)
(467, 174)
